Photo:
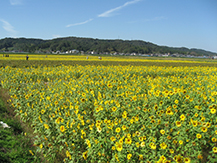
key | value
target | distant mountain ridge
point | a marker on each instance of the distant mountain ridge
(97, 45)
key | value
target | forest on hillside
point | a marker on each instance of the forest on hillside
(89, 44)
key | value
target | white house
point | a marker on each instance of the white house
(74, 51)
(93, 52)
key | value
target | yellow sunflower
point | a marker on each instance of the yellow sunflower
(163, 145)
(129, 156)
(62, 128)
(178, 123)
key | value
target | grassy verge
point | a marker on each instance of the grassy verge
(15, 145)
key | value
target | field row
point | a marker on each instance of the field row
(103, 58)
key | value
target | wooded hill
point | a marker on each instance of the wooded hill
(90, 44)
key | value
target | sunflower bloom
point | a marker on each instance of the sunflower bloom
(199, 136)
(118, 129)
(68, 155)
(178, 158)
(203, 129)
(176, 101)
(152, 146)
(85, 155)
(163, 145)
(129, 156)
(46, 126)
(119, 146)
(214, 149)
(62, 128)
(171, 151)
(214, 139)
(162, 132)
(128, 141)
(124, 127)
(42, 111)
(187, 160)
(182, 117)
(169, 112)
(180, 142)
(114, 109)
(213, 111)
(112, 138)
(142, 144)
(178, 123)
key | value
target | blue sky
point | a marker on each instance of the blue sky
(175, 23)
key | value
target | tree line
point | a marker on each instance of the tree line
(90, 44)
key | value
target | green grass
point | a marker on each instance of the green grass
(14, 145)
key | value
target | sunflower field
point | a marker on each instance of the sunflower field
(118, 113)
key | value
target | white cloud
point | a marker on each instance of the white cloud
(79, 23)
(8, 27)
(16, 2)
(109, 12)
